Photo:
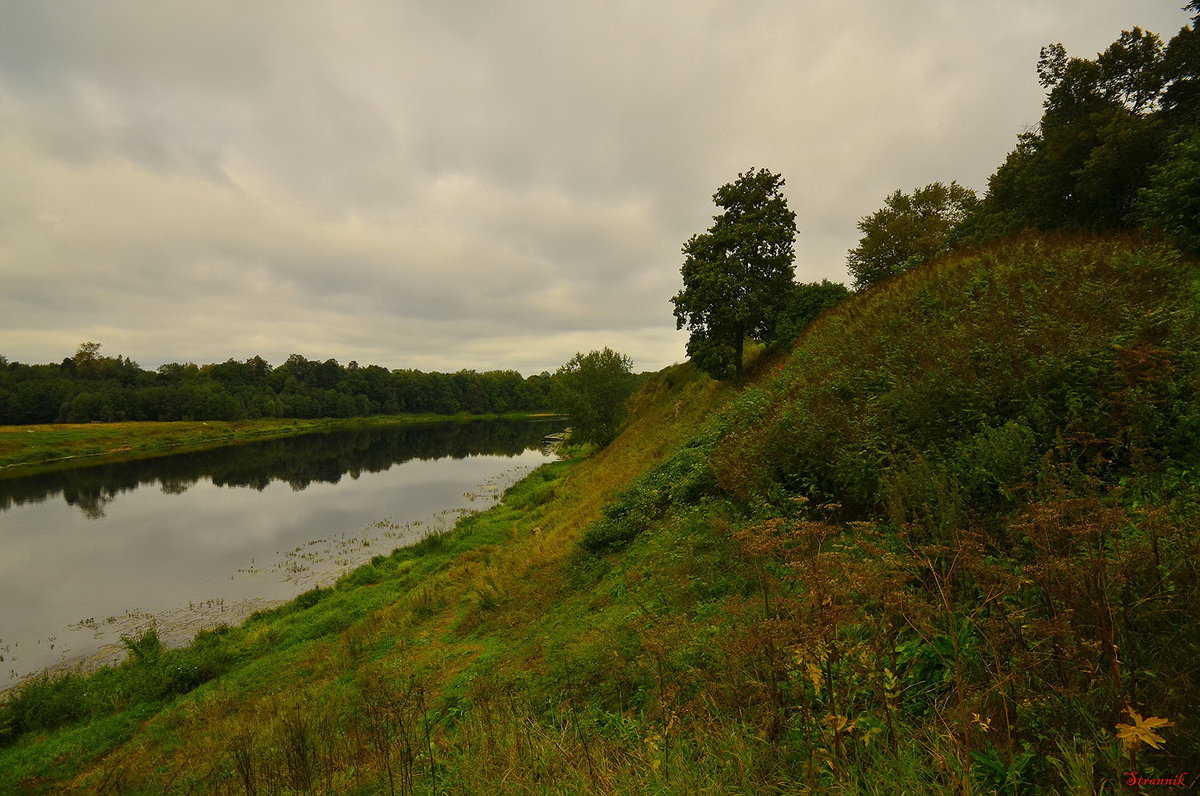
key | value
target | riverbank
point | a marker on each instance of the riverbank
(185, 542)
(901, 557)
(25, 450)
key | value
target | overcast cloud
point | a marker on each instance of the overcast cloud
(451, 185)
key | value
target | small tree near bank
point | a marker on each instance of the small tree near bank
(592, 390)
(737, 277)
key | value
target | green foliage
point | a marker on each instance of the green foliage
(683, 478)
(737, 276)
(145, 648)
(89, 387)
(43, 703)
(1170, 202)
(535, 489)
(1013, 473)
(1102, 140)
(1181, 100)
(908, 230)
(150, 675)
(1038, 348)
(366, 575)
(807, 301)
(592, 390)
(311, 597)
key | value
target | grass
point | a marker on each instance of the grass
(250, 657)
(25, 450)
(805, 583)
(442, 608)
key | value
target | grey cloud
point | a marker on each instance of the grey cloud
(465, 184)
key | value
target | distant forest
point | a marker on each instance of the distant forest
(90, 387)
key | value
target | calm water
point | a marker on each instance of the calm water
(193, 540)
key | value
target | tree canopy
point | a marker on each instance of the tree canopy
(90, 386)
(1107, 127)
(592, 390)
(738, 276)
(908, 230)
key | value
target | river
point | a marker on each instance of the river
(193, 540)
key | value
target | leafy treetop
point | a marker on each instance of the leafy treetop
(908, 230)
(592, 389)
(1109, 123)
(738, 275)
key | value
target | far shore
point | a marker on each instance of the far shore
(26, 450)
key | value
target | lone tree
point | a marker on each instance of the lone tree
(738, 276)
(592, 389)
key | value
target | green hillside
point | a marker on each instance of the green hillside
(947, 543)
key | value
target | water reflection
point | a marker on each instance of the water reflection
(167, 539)
(297, 461)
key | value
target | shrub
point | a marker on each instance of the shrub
(311, 597)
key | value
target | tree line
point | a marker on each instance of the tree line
(1117, 148)
(90, 387)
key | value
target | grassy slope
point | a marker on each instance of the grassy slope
(27, 449)
(941, 548)
(435, 608)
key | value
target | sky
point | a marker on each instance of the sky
(448, 185)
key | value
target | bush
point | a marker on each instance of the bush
(310, 598)
(366, 575)
(807, 302)
(43, 703)
(1171, 202)
(145, 648)
(684, 478)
